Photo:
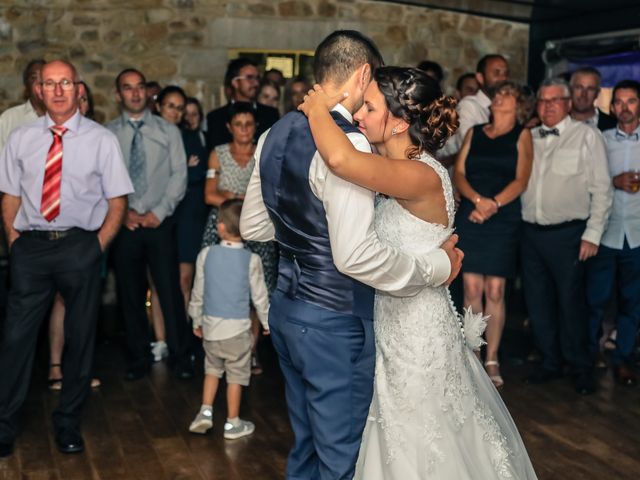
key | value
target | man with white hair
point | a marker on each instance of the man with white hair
(565, 210)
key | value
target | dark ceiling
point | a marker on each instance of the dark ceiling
(529, 11)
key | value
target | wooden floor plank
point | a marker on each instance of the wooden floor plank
(139, 430)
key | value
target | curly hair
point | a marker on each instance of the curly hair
(417, 98)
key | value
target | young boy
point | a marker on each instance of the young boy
(227, 278)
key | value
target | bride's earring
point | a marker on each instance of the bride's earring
(394, 130)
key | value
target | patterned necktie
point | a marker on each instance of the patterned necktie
(544, 133)
(50, 203)
(138, 161)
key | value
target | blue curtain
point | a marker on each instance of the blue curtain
(613, 68)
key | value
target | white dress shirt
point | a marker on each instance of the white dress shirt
(569, 179)
(13, 118)
(218, 328)
(623, 152)
(356, 249)
(472, 110)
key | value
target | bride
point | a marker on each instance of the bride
(435, 414)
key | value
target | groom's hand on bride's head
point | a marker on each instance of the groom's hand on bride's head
(455, 257)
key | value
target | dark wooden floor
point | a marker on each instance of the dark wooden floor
(139, 430)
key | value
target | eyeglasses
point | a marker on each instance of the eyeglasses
(50, 85)
(248, 78)
(172, 106)
(548, 101)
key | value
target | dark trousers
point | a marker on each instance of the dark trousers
(328, 361)
(133, 252)
(39, 268)
(554, 291)
(609, 268)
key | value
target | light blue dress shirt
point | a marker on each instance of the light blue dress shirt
(166, 163)
(623, 152)
(93, 171)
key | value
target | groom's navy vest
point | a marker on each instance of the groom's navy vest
(306, 270)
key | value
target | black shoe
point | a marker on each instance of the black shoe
(136, 374)
(6, 449)
(542, 375)
(69, 441)
(585, 384)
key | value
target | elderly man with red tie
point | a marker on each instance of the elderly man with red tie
(65, 185)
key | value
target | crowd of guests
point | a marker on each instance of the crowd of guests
(543, 195)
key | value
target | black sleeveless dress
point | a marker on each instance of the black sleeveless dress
(491, 248)
(192, 211)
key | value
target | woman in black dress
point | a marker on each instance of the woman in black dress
(191, 213)
(491, 171)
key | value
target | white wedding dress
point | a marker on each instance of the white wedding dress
(435, 414)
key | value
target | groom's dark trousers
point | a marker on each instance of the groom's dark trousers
(320, 320)
(328, 362)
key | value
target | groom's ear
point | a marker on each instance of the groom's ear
(365, 76)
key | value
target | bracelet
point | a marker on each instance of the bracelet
(497, 202)
(477, 200)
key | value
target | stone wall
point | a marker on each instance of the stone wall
(186, 41)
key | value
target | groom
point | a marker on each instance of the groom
(330, 262)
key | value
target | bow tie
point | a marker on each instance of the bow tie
(552, 131)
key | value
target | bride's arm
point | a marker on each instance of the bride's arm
(400, 178)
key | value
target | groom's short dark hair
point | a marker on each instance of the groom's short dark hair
(341, 53)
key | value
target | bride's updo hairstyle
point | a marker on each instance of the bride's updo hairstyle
(417, 98)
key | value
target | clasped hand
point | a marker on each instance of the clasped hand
(485, 209)
(134, 220)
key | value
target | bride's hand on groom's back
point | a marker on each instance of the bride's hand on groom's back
(317, 98)
(455, 257)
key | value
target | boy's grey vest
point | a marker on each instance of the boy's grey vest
(306, 268)
(227, 292)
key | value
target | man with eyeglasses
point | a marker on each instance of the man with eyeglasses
(243, 80)
(155, 155)
(585, 88)
(565, 210)
(616, 267)
(65, 185)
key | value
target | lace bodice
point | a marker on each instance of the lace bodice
(424, 384)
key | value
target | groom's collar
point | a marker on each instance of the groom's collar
(343, 111)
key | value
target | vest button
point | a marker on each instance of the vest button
(303, 329)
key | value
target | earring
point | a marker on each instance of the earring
(394, 130)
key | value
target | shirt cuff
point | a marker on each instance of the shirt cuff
(592, 236)
(196, 322)
(435, 267)
(160, 212)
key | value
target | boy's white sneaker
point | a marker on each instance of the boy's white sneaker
(202, 423)
(159, 350)
(243, 429)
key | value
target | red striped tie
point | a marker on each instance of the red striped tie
(50, 204)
